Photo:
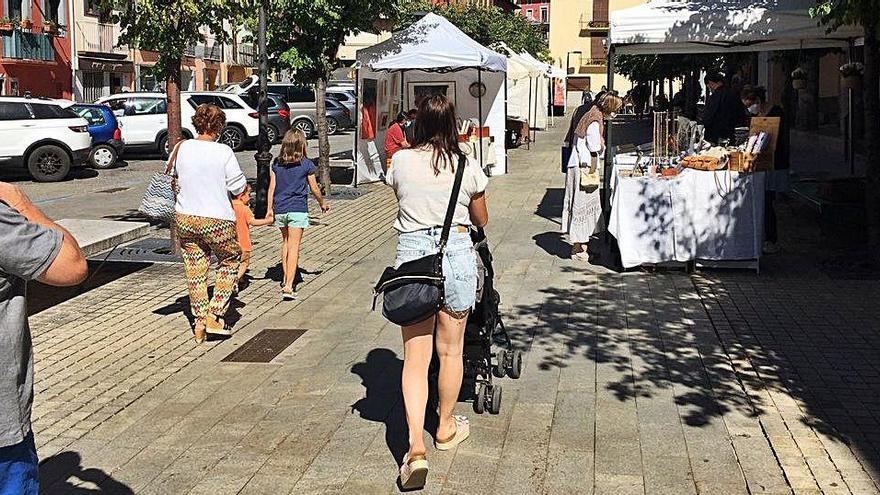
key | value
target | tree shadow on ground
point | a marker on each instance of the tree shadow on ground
(724, 342)
(56, 471)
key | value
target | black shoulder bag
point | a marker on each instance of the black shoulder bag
(414, 292)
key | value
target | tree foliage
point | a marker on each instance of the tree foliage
(486, 25)
(303, 38)
(168, 27)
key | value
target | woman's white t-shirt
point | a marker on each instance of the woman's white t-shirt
(423, 197)
(206, 173)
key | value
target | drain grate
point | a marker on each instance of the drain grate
(347, 194)
(264, 346)
(113, 190)
(149, 250)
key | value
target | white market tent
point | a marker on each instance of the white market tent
(520, 89)
(717, 26)
(526, 101)
(710, 26)
(431, 55)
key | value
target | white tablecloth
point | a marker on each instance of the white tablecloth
(717, 216)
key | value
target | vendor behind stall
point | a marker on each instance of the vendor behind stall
(395, 138)
(778, 180)
(723, 112)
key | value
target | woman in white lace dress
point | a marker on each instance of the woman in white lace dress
(583, 207)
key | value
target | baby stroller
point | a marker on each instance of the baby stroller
(485, 329)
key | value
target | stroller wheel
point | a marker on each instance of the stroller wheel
(480, 399)
(515, 369)
(500, 367)
(495, 405)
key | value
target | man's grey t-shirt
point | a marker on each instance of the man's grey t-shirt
(26, 251)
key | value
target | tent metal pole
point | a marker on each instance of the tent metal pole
(535, 110)
(848, 143)
(480, 114)
(402, 90)
(357, 127)
(608, 166)
(505, 122)
(529, 116)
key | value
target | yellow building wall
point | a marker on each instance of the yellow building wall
(565, 38)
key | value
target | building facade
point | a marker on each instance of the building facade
(35, 48)
(538, 13)
(578, 31)
(100, 67)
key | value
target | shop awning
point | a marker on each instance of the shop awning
(717, 26)
(431, 44)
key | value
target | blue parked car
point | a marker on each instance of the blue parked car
(107, 142)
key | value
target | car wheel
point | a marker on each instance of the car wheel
(163, 147)
(332, 126)
(48, 163)
(305, 126)
(272, 134)
(103, 156)
(232, 137)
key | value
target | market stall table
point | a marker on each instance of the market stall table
(694, 216)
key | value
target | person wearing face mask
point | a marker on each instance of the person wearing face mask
(778, 180)
(723, 111)
(582, 208)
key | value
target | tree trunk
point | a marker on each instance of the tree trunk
(323, 138)
(808, 98)
(172, 89)
(871, 90)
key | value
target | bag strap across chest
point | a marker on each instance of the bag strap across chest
(453, 201)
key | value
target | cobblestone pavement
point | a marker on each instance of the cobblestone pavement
(649, 383)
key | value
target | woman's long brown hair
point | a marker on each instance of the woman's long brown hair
(436, 127)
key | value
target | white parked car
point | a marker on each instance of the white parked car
(145, 120)
(40, 135)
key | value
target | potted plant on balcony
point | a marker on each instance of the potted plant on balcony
(50, 27)
(851, 75)
(26, 24)
(799, 78)
(6, 25)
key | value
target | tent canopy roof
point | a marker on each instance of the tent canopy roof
(709, 26)
(431, 44)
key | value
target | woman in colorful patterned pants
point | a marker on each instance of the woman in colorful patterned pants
(207, 172)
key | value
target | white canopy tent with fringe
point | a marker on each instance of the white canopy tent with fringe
(429, 54)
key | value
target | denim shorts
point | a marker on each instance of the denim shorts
(459, 263)
(19, 468)
(293, 219)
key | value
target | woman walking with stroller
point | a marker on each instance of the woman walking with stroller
(422, 178)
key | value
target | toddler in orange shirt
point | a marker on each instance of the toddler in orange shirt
(244, 219)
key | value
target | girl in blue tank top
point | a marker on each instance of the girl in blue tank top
(290, 179)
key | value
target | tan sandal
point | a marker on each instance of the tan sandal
(215, 325)
(413, 472)
(462, 432)
(199, 332)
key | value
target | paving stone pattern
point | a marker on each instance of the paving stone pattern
(648, 383)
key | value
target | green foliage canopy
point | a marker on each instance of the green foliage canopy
(486, 25)
(168, 27)
(303, 36)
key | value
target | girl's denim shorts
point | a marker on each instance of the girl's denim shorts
(459, 263)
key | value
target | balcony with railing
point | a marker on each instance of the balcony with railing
(592, 27)
(212, 51)
(100, 38)
(24, 45)
(587, 65)
(245, 55)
